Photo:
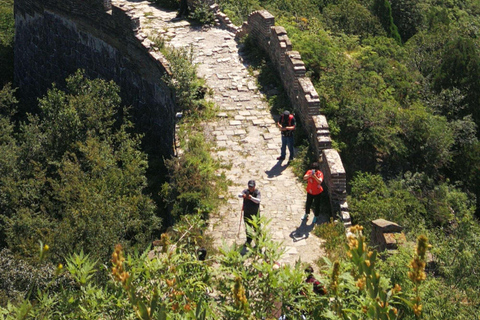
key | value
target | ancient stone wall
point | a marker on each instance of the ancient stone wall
(54, 38)
(304, 98)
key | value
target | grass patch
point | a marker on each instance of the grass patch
(335, 241)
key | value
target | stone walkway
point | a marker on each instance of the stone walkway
(245, 135)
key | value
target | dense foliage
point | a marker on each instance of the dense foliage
(392, 108)
(6, 41)
(73, 176)
(172, 283)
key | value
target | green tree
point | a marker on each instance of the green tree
(407, 17)
(383, 10)
(75, 175)
(352, 18)
(460, 69)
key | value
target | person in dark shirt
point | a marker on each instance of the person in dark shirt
(251, 205)
(287, 127)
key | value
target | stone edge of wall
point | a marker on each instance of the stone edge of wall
(302, 94)
(128, 13)
(123, 20)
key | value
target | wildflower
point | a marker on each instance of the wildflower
(118, 271)
(417, 309)
(422, 246)
(59, 269)
(334, 278)
(397, 288)
(361, 283)
(417, 271)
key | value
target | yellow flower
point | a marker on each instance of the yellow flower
(361, 283)
(46, 247)
(397, 288)
(417, 309)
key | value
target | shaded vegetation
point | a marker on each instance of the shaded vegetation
(7, 32)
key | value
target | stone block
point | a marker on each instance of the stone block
(386, 235)
(386, 226)
(393, 240)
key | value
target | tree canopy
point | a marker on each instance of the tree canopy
(73, 176)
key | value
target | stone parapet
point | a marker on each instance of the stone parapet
(221, 19)
(259, 25)
(280, 41)
(335, 178)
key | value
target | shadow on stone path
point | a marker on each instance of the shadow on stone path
(245, 136)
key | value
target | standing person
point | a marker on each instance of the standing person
(251, 205)
(314, 189)
(286, 123)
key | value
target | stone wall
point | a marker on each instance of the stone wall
(304, 98)
(54, 38)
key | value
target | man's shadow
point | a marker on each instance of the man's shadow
(276, 170)
(302, 232)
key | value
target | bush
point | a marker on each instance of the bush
(202, 13)
(194, 185)
(334, 235)
(189, 90)
(76, 176)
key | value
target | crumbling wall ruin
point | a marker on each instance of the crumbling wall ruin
(54, 38)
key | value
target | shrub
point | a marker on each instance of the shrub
(189, 89)
(202, 13)
(77, 176)
(194, 185)
(334, 235)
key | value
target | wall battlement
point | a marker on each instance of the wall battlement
(54, 38)
(304, 98)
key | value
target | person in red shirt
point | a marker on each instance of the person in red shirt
(314, 189)
(318, 288)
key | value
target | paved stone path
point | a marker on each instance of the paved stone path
(245, 135)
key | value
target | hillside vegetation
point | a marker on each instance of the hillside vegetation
(399, 84)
